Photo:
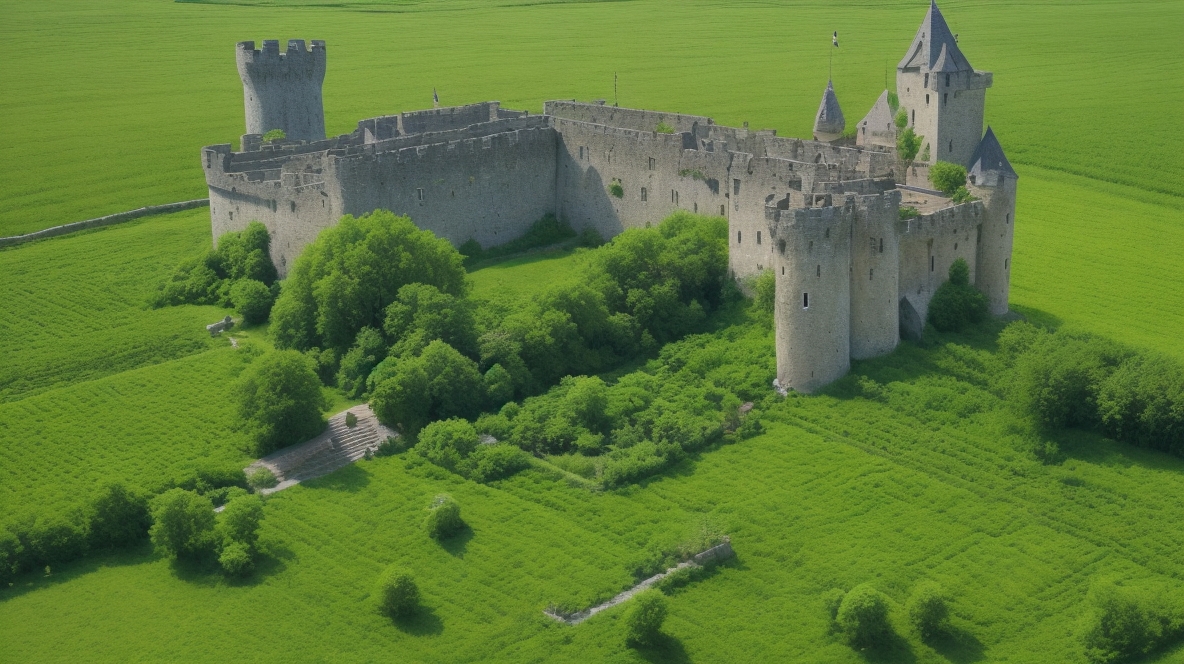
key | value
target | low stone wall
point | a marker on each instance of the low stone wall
(117, 218)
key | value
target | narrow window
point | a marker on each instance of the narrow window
(870, 271)
(805, 300)
(931, 263)
(863, 130)
(811, 248)
(783, 270)
(927, 99)
(293, 204)
(947, 80)
(872, 242)
(581, 152)
(232, 216)
(676, 198)
(881, 245)
(419, 193)
(955, 246)
(827, 234)
(322, 202)
(818, 271)
(951, 146)
(1008, 218)
(721, 211)
(1006, 262)
(673, 196)
(645, 195)
(737, 237)
(652, 163)
(945, 99)
(914, 120)
(758, 237)
(758, 233)
(736, 187)
(926, 81)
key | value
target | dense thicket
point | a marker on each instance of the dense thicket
(1064, 379)
(242, 256)
(1127, 621)
(956, 304)
(345, 279)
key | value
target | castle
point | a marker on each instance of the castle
(852, 276)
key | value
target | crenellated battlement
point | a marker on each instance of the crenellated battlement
(297, 54)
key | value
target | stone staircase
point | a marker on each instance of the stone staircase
(338, 446)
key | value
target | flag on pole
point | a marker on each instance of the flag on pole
(835, 39)
(435, 99)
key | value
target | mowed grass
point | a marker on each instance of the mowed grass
(929, 481)
(74, 307)
(515, 280)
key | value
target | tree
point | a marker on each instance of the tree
(280, 401)
(907, 144)
(346, 278)
(957, 304)
(863, 616)
(398, 596)
(236, 560)
(644, 618)
(438, 384)
(927, 609)
(443, 520)
(422, 313)
(447, 442)
(182, 524)
(252, 299)
(947, 177)
(239, 521)
(118, 517)
(369, 349)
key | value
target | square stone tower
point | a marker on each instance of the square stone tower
(943, 94)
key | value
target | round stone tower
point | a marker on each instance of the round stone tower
(992, 178)
(813, 301)
(875, 275)
(283, 90)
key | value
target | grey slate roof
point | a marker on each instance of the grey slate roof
(880, 117)
(933, 47)
(988, 156)
(830, 116)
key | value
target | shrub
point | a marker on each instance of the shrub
(1127, 622)
(962, 195)
(908, 212)
(344, 280)
(262, 478)
(208, 279)
(252, 299)
(447, 442)
(182, 524)
(274, 135)
(907, 144)
(280, 401)
(118, 517)
(236, 560)
(925, 151)
(351, 420)
(443, 520)
(493, 462)
(863, 616)
(765, 287)
(1142, 403)
(52, 541)
(947, 177)
(239, 521)
(894, 104)
(957, 304)
(644, 617)
(440, 383)
(398, 596)
(927, 609)
(391, 446)
(1056, 381)
(663, 128)
(616, 189)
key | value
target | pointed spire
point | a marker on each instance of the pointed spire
(830, 115)
(935, 43)
(989, 164)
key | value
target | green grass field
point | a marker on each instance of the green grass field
(931, 480)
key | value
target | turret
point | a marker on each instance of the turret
(829, 123)
(813, 294)
(943, 94)
(283, 90)
(992, 178)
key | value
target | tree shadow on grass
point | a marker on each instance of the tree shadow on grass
(423, 622)
(893, 650)
(351, 478)
(957, 645)
(458, 543)
(665, 649)
(95, 561)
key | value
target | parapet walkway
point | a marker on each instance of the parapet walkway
(338, 446)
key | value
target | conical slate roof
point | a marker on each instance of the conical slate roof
(880, 117)
(830, 116)
(934, 48)
(988, 156)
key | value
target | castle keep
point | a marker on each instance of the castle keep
(823, 214)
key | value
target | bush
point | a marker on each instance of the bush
(1056, 381)
(209, 279)
(616, 189)
(908, 212)
(663, 128)
(236, 560)
(447, 442)
(118, 517)
(765, 291)
(252, 299)
(1127, 622)
(262, 478)
(182, 524)
(1142, 403)
(902, 119)
(443, 520)
(947, 177)
(962, 195)
(280, 401)
(644, 617)
(863, 616)
(440, 383)
(274, 135)
(351, 420)
(927, 609)
(344, 280)
(907, 144)
(957, 304)
(53, 541)
(398, 596)
(369, 349)
(239, 521)
(494, 462)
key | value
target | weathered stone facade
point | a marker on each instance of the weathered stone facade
(851, 276)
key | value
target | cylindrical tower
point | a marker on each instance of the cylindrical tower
(283, 90)
(992, 178)
(813, 303)
(875, 275)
